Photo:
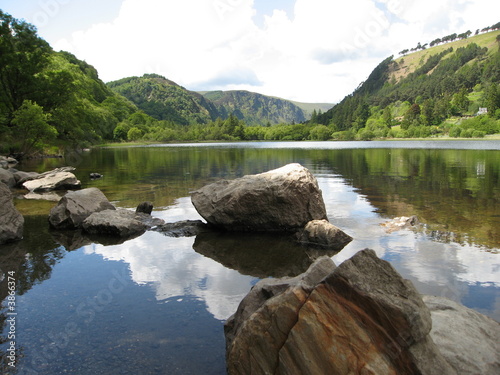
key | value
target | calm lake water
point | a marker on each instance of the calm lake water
(157, 304)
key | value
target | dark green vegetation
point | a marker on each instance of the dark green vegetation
(436, 91)
(50, 101)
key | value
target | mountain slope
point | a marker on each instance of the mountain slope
(424, 88)
(163, 99)
(256, 109)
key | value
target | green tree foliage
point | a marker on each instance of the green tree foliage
(33, 130)
(82, 108)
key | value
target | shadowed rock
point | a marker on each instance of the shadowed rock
(145, 208)
(11, 221)
(284, 199)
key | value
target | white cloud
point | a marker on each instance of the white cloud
(216, 44)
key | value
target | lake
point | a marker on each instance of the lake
(157, 304)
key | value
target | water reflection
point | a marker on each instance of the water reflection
(178, 290)
(174, 271)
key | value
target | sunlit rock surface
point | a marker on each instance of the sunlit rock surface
(60, 178)
(283, 199)
(359, 318)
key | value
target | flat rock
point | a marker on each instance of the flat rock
(53, 181)
(121, 223)
(11, 221)
(322, 233)
(468, 340)
(284, 199)
(76, 206)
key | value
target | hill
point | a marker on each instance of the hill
(163, 99)
(417, 94)
(256, 109)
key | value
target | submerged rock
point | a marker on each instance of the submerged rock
(76, 206)
(284, 199)
(11, 221)
(121, 223)
(322, 233)
(400, 223)
(185, 228)
(359, 318)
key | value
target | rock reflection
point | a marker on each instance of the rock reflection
(257, 254)
(75, 239)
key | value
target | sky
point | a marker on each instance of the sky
(303, 50)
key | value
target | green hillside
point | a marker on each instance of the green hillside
(256, 109)
(431, 92)
(50, 100)
(163, 99)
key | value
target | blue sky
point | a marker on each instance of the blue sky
(305, 50)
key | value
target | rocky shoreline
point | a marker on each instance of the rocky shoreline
(361, 317)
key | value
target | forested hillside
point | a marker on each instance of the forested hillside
(433, 91)
(163, 99)
(256, 109)
(50, 99)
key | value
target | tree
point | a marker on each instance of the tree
(461, 100)
(492, 98)
(134, 134)
(387, 116)
(32, 127)
(23, 56)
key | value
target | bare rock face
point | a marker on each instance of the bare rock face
(11, 221)
(359, 318)
(284, 199)
(468, 340)
(7, 177)
(322, 233)
(60, 178)
(76, 206)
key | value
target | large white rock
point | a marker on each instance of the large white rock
(61, 178)
(284, 199)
